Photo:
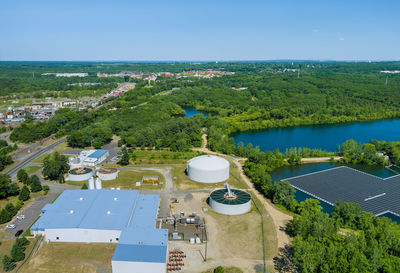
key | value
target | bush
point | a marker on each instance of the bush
(46, 189)
(17, 253)
(35, 184)
(24, 194)
(219, 269)
(8, 263)
(84, 187)
(23, 176)
(124, 159)
(13, 189)
(55, 165)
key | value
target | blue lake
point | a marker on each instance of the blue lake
(191, 112)
(325, 137)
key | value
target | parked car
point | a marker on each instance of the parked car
(19, 232)
(20, 217)
(10, 226)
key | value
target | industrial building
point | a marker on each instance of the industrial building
(96, 158)
(208, 169)
(374, 194)
(89, 158)
(230, 201)
(125, 217)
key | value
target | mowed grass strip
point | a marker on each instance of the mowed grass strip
(70, 258)
(127, 180)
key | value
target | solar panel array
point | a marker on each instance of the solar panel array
(374, 194)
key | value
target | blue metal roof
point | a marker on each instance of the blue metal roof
(144, 236)
(140, 253)
(91, 209)
(145, 209)
(126, 210)
(97, 153)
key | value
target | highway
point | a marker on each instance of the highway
(29, 159)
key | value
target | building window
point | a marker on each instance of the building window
(57, 238)
(117, 239)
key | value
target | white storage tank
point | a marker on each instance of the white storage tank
(80, 174)
(230, 201)
(98, 184)
(75, 162)
(208, 169)
(107, 173)
(91, 183)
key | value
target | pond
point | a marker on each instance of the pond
(191, 112)
(325, 137)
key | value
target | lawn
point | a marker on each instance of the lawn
(141, 157)
(71, 258)
(127, 180)
(32, 169)
(231, 269)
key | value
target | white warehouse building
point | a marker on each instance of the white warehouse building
(95, 157)
(208, 169)
(125, 217)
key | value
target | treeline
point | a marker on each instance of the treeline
(5, 149)
(17, 254)
(349, 241)
(9, 188)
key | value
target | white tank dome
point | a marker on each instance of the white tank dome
(208, 169)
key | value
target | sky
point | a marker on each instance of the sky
(207, 30)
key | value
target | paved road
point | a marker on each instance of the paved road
(33, 211)
(29, 159)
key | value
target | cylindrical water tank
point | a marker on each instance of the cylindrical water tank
(91, 183)
(107, 173)
(208, 169)
(80, 174)
(220, 202)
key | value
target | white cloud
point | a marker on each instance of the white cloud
(341, 39)
(315, 30)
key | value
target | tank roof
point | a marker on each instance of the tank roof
(208, 162)
(220, 196)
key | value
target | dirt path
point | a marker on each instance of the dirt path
(278, 217)
(319, 159)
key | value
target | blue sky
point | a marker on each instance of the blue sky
(199, 30)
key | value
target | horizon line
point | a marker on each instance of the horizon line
(216, 60)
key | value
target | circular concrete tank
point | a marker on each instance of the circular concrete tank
(208, 169)
(107, 173)
(80, 174)
(238, 203)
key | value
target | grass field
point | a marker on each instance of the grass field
(226, 270)
(160, 156)
(127, 180)
(71, 258)
(32, 169)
